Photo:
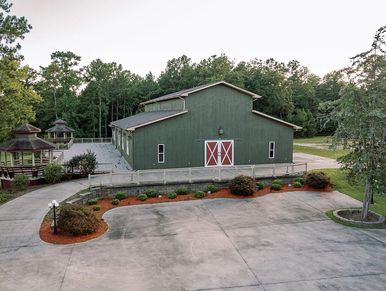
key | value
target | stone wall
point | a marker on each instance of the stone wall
(134, 190)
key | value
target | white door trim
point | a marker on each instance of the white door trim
(219, 145)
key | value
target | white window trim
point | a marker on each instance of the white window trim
(127, 146)
(273, 150)
(163, 154)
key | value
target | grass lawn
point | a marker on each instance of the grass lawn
(327, 153)
(338, 179)
(315, 139)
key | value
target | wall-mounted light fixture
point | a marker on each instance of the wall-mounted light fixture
(220, 131)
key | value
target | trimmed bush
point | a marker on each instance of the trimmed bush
(120, 195)
(172, 196)
(151, 193)
(298, 184)
(211, 188)
(96, 208)
(260, 185)
(317, 180)
(276, 186)
(277, 181)
(115, 201)
(299, 179)
(242, 185)
(77, 220)
(182, 191)
(20, 182)
(84, 163)
(199, 194)
(93, 201)
(52, 173)
(142, 197)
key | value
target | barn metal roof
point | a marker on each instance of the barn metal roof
(295, 127)
(145, 118)
(186, 92)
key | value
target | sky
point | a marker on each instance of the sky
(143, 35)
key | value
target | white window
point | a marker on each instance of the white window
(271, 153)
(127, 146)
(161, 153)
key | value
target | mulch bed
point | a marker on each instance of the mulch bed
(105, 205)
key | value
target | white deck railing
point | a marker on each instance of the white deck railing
(191, 175)
(93, 140)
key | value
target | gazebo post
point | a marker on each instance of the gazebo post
(49, 135)
(50, 156)
(22, 158)
(11, 159)
(72, 135)
(41, 157)
(33, 159)
(64, 135)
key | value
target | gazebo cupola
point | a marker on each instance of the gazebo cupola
(60, 133)
(26, 153)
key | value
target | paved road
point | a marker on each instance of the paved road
(276, 242)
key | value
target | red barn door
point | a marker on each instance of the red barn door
(219, 153)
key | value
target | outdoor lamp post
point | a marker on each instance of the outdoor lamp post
(52, 205)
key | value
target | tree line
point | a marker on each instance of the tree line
(90, 97)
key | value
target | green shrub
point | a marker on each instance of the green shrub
(142, 197)
(115, 201)
(211, 188)
(84, 163)
(276, 186)
(199, 194)
(242, 185)
(298, 184)
(93, 201)
(317, 180)
(260, 185)
(151, 193)
(182, 191)
(299, 179)
(20, 182)
(76, 220)
(172, 196)
(96, 208)
(277, 181)
(5, 196)
(52, 173)
(120, 195)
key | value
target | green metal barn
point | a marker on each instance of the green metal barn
(207, 126)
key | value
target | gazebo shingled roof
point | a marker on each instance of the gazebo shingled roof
(60, 126)
(26, 128)
(26, 143)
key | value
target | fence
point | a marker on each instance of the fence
(191, 175)
(93, 140)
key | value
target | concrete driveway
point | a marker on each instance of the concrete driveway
(276, 242)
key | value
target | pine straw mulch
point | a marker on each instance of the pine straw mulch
(105, 205)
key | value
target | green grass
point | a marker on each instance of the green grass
(327, 153)
(340, 183)
(315, 139)
(5, 196)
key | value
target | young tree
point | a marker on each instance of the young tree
(361, 117)
(16, 93)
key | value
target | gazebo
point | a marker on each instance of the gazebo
(25, 154)
(61, 133)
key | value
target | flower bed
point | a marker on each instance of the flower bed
(106, 205)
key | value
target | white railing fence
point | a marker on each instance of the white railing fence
(191, 175)
(93, 140)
